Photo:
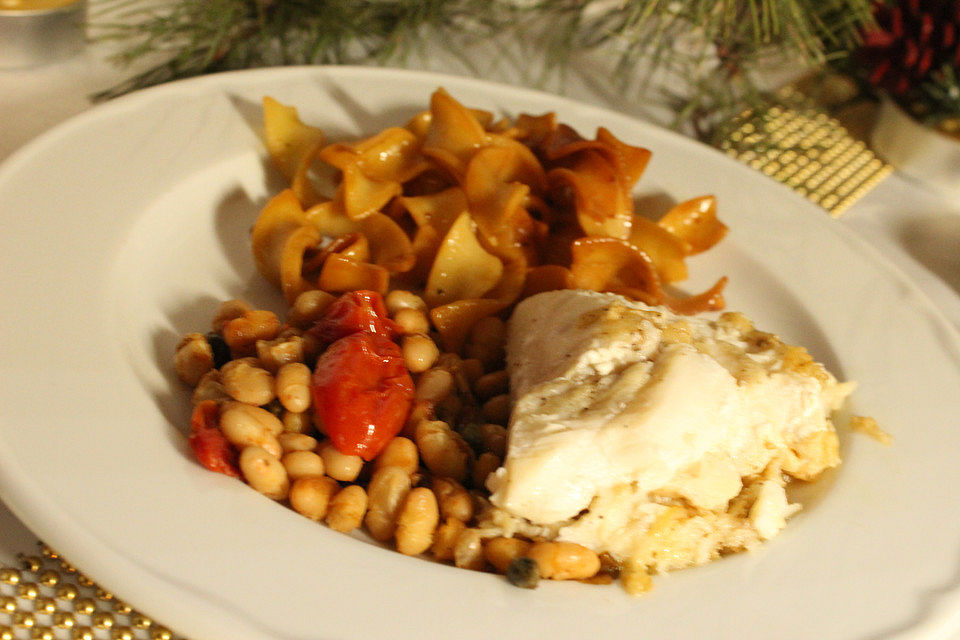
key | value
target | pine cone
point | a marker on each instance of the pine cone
(911, 40)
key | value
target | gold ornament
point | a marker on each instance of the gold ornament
(9, 575)
(83, 633)
(32, 563)
(42, 633)
(24, 619)
(41, 602)
(28, 590)
(49, 578)
(161, 633)
(85, 606)
(67, 592)
(64, 620)
(45, 605)
(807, 150)
(8, 604)
(140, 621)
(103, 619)
(122, 633)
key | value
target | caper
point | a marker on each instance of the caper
(524, 572)
(221, 352)
(471, 433)
(275, 407)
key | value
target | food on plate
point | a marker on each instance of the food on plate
(473, 212)
(483, 359)
(869, 427)
(662, 440)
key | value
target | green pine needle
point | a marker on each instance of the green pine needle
(715, 48)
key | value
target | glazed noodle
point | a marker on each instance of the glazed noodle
(475, 212)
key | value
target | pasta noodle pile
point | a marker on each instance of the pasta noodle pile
(475, 212)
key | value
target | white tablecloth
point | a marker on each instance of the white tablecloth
(915, 228)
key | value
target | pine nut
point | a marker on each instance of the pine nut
(636, 579)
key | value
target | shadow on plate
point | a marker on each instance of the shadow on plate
(932, 241)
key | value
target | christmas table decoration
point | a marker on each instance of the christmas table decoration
(47, 598)
(703, 60)
(910, 57)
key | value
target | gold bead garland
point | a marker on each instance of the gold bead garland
(807, 150)
(46, 598)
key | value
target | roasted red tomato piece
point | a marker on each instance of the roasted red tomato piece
(208, 444)
(362, 393)
(353, 312)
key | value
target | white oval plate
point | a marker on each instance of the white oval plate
(123, 228)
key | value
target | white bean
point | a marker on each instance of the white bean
(310, 496)
(340, 466)
(386, 492)
(293, 386)
(247, 382)
(264, 472)
(302, 464)
(243, 425)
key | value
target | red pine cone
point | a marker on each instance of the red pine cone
(911, 39)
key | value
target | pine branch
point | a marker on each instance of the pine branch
(715, 47)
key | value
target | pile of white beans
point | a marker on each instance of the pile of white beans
(425, 489)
